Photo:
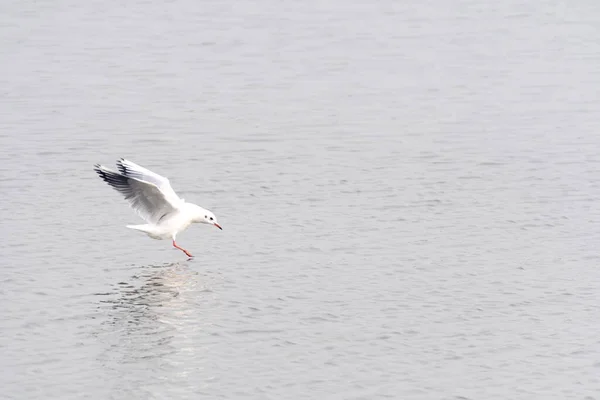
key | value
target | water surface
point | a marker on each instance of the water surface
(409, 196)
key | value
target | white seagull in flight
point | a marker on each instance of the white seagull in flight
(153, 199)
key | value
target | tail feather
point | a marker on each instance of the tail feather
(142, 228)
(149, 230)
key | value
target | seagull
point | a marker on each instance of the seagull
(154, 200)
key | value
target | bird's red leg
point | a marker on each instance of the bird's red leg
(182, 249)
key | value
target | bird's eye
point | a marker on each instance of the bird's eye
(206, 216)
(211, 218)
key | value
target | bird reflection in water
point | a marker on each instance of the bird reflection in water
(143, 319)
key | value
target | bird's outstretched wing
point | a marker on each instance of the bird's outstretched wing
(148, 193)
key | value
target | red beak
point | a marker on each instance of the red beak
(218, 226)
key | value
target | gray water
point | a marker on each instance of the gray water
(409, 193)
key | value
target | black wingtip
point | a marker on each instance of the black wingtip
(99, 171)
(114, 179)
(121, 167)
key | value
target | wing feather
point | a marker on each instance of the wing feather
(149, 194)
(135, 171)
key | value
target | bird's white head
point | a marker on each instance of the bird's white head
(202, 215)
(207, 217)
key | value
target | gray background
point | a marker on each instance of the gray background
(408, 190)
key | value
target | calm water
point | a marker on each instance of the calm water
(409, 195)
